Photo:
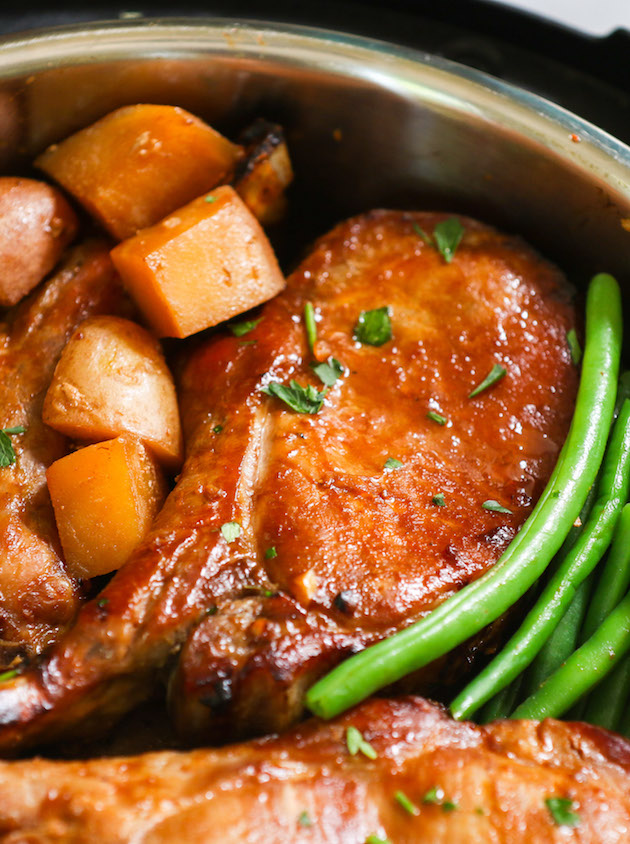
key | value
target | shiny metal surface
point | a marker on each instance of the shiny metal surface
(369, 124)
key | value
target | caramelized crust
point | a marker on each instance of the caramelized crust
(471, 785)
(359, 550)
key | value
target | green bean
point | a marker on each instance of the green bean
(607, 702)
(623, 391)
(562, 642)
(614, 579)
(502, 703)
(583, 669)
(543, 618)
(525, 559)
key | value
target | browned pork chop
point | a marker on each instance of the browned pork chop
(334, 547)
(511, 782)
(38, 598)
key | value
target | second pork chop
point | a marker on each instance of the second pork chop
(294, 538)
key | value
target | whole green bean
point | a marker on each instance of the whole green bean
(607, 702)
(614, 579)
(484, 600)
(557, 595)
(584, 668)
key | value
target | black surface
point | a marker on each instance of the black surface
(587, 75)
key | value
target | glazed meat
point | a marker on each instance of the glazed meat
(38, 598)
(517, 782)
(290, 540)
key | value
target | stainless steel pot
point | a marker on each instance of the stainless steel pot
(369, 124)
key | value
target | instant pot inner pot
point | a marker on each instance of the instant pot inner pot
(368, 126)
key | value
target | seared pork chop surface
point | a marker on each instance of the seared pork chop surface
(511, 782)
(38, 598)
(291, 539)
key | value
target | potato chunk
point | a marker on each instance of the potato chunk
(36, 225)
(105, 497)
(263, 175)
(112, 379)
(139, 163)
(207, 262)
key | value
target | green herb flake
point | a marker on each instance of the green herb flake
(102, 602)
(310, 325)
(495, 507)
(447, 236)
(298, 398)
(304, 819)
(8, 675)
(230, 531)
(7, 452)
(391, 463)
(374, 328)
(271, 553)
(574, 346)
(439, 500)
(433, 795)
(409, 807)
(209, 198)
(561, 810)
(437, 417)
(212, 611)
(422, 234)
(496, 374)
(479, 810)
(449, 806)
(217, 429)
(238, 329)
(357, 744)
(328, 372)
(374, 839)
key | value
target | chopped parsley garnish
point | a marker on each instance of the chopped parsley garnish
(300, 399)
(496, 374)
(561, 810)
(230, 531)
(374, 839)
(212, 610)
(304, 819)
(209, 198)
(437, 417)
(446, 237)
(217, 429)
(495, 507)
(574, 346)
(329, 371)
(436, 796)
(270, 553)
(102, 602)
(433, 795)
(8, 675)
(392, 463)
(238, 329)
(374, 328)
(310, 324)
(7, 453)
(357, 744)
(439, 500)
(402, 799)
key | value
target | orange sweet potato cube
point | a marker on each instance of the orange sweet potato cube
(205, 263)
(105, 497)
(140, 163)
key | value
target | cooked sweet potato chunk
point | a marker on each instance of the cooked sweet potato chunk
(140, 163)
(36, 225)
(205, 263)
(105, 497)
(112, 379)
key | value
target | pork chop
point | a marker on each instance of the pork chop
(38, 598)
(511, 782)
(293, 539)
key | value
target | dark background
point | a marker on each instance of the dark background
(588, 75)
